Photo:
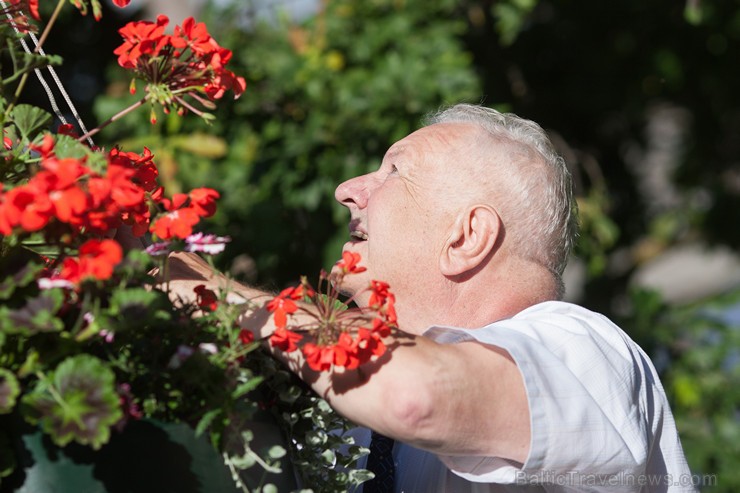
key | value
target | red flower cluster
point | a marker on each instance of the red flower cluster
(185, 62)
(184, 212)
(68, 193)
(342, 336)
(66, 198)
(67, 201)
(96, 260)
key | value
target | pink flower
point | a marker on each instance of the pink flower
(210, 244)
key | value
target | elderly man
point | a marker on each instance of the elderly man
(502, 388)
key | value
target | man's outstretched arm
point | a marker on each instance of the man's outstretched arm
(452, 399)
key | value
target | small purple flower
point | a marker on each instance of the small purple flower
(160, 248)
(210, 244)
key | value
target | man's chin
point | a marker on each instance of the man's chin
(355, 285)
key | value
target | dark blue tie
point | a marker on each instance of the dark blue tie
(380, 462)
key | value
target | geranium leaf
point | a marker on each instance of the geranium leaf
(76, 402)
(9, 390)
(37, 315)
(25, 276)
(68, 147)
(131, 308)
(29, 118)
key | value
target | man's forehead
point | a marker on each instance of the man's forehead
(437, 138)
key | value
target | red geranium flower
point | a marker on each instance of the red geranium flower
(285, 340)
(97, 259)
(246, 336)
(282, 305)
(205, 298)
(349, 263)
(175, 224)
(203, 201)
(318, 358)
(187, 63)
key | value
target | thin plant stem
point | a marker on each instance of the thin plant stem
(47, 28)
(110, 120)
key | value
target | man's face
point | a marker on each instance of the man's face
(401, 214)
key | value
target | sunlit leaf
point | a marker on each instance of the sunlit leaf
(76, 402)
(9, 390)
(29, 119)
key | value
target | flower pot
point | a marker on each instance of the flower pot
(146, 457)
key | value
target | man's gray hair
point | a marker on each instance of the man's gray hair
(546, 229)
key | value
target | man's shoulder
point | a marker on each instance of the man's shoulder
(562, 330)
(548, 317)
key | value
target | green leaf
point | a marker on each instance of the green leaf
(329, 456)
(38, 244)
(361, 475)
(276, 452)
(76, 402)
(69, 147)
(206, 421)
(134, 302)
(25, 276)
(9, 390)
(246, 387)
(29, 119)
(37, 315)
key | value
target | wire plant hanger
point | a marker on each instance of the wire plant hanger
(40, 75)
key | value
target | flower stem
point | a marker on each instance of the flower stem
(49, 25)
(110, 120)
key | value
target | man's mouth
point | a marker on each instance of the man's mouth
(355, 232)
(358, 235)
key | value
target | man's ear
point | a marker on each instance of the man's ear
(474, 236)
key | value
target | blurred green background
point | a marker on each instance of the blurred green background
(640, 97)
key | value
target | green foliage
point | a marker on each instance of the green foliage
(695, 348)
(327, 95)
(82, 356)
(322, 452)
(511, 15)
(29, 119)
(76, 401)
(325, 98)
(9, 391)
(37, 315)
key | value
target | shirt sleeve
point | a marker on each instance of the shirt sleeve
(585, 384)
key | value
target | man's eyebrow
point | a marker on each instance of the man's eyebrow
(393, 152)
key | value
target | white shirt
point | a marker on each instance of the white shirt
(599, 415)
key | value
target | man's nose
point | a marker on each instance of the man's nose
(353, 192)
